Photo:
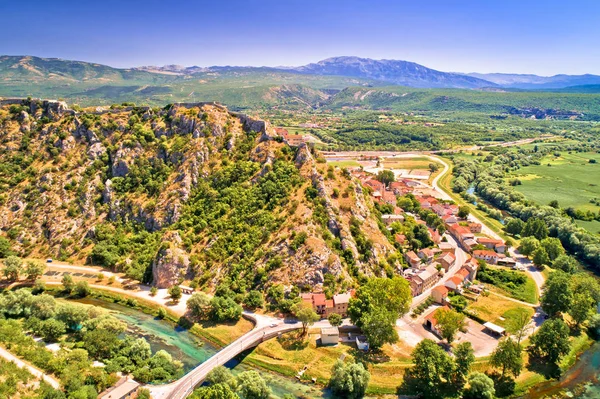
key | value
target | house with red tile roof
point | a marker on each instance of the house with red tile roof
(400, 239)
(440, 294)
(475, 227)
(435, 236)
(486, 255)
(455, 283)
(491, 243)
(412, 259)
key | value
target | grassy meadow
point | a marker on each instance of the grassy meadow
(570, 179)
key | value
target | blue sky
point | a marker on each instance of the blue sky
(526, 36)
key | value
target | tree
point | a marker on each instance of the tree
(463, 212)
(224, 309)
(153, 291)
(551, 340)
(514, 226)
(582, 307)
(305, 315)
(175, 293)
(52, 329)
(554, 204)
(391, 294)
(557, 294)
(464, 357)
(217, 391)
(434, 167)
(386, 177)
(449, 323)
(161, 313)
(250, 385)
(480, 387)
(535, 227)
(221, 375)
(5, 249)
(199, 304)
(540, 257)
(378, 328)
(507, 356)
(143, 393)
(529, 245)
(583, 282)
(43, 307)
(82, 289)
(67, 282)
(565, 263)
(34, 270)
(519, 324)
(254, 299)
(12, 268)
(553, 247)
(349, 380)
(431, 372)
(335, 320)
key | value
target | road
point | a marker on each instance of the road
(33, 370)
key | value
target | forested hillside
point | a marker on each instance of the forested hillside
(192, 193)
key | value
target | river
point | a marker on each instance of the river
(191, 350)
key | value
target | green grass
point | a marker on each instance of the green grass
(571, 180)
(344, 164)
(591, 226)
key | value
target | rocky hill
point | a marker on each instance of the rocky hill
(189, 192)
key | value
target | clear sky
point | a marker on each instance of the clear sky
(526, 36)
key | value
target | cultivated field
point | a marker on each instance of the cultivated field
(570, 179)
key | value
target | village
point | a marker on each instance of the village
(447, 268)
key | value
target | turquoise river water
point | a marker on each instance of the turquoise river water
(191, 350)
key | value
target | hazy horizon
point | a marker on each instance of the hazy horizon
(544, 38)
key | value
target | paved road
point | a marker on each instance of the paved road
(33, 370)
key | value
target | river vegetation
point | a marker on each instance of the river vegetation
(86, 335)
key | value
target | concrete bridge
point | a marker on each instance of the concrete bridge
(265, 328)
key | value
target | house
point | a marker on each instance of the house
(426, 254)
(464, 273)
(455, 283)
(340, 304)
(319, 303)
(447, 260)
(376, 185)
(431, 322)
(124, 389)
(486, 255)
(440, 294)
(475, 227)
(462, 234)
(450, 219)
(388, 197)
(329, 307)
(424, 280)
(389, 219)
(294, 140)
(490, 243)
(435, 236)
(412, 259)
(330, 335)
(471, 266)
(446, 247)
(469, 244)
(425, 202)
(281, 132)
(400, 239)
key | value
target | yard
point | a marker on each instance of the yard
(570, 179)
(497, 310)
(518, 285)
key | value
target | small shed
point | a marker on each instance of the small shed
(124, 389)
(186, 290)
(494, 329)
(330, 335)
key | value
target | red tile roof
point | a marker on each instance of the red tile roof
(441, 289)
(319, 299)
(484, 252)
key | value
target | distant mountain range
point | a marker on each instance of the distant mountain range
(368, 71)
(537, 82)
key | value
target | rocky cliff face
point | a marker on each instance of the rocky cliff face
(188, 192)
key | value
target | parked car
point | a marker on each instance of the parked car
(49, 260)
